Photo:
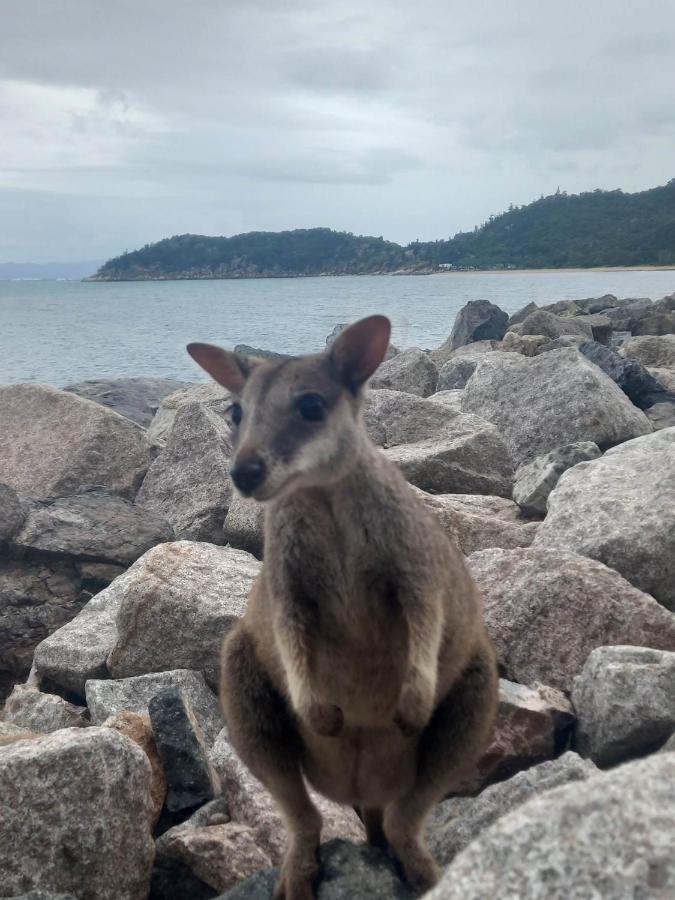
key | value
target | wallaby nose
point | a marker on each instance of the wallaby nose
(248, 474)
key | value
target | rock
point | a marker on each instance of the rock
(665, 378)
(437, 449)
(96, 576)
(552, 400)
(625, 700)
(137, 728)
(177, 603)
(547, 609)
(662, 415)
(36, 598)
(533, 724)
(95, 524)
(471, 528)
(11, 513)
(189, 482)
(526, 345)
(346, 873)
(456, 372)
(478, 320)
(442, 354)
(338, 329)
(212, 396)
(30, 708)
(627, 316)
(450, 399)
(191, 781)
(564, 308)
(250, 804)
(78, 650)
(651, 350)
(535, 480)
(458, 821)
(134, 398)
(75, 815)
(10, 733)
(566, 342)
(245, 350)
(601, 327)
(620, 509)
(53, 443)
(552, 326)
(194, 860)
(659, 319)
(669, 745)
(244, 525)
(593, 305)
(43, 895)
(106, 698)
(611, 839)
(634, 380)
(411, 371)
(521, 314)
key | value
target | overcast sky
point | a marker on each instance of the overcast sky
(125, 121)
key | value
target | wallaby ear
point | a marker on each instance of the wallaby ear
(225, 367)
(360, 349)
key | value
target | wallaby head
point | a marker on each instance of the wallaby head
(297, 423)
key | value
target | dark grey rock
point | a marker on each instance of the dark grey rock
(347, 872)
(95, 524)
(628, 314)
(106, 698)
(43, 895)
(411, 371)
(180, 741)
(455, 373)
(36, 598)
(478, 320)
(601, 328)
(189, 482)
(521, 314)
(458, 821)
(624, 698)
(11, 513)
(631, 376)
(30, 708)
(535, 480)
(593, 305)
(134, 398)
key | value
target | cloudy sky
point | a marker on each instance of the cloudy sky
(124, 121)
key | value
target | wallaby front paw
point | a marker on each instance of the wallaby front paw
(413, 710)
(324, 718)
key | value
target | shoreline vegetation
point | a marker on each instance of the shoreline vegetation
(601, 230)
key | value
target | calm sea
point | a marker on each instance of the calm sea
(57, 332)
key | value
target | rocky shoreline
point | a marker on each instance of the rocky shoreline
(543, 442)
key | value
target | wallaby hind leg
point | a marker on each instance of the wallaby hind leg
(263, 733)
(452, 741)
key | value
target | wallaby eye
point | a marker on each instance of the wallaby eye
(312, 407)
(236, 413)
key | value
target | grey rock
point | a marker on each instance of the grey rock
(547, 609)
(624, 698)
(43, 895)
(651, 350)
(107, 698)
(535, 480)
(250, 804)
(210, 395)
(455, 373)
(553, 326)
(411, 371)
(549, 401)
(30, 708)
(611, 837)
(437, 449)
(134, 398)
(527, 344)
(244, 526)
(565, 308)
(631, 376)
(450, 399)
(95, 524)
(245, 350)
(177, 603)
(659, 319)
(36, 598)
(189, 482)
(53, 443)
(442, 354)
(593, 305)
(97, 575)
(669, 745)
(11, 513)
(664, 377)
(521, 314)
(478, 320)
(601, 328)
(620, 509)
(191, 781)
(458, 821)
(9, 733)
(628, 314)
(75, 815)
(346, 872)
(474, 528)
(79, 649)
(662, 415)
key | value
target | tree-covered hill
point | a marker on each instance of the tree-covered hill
(597, 228)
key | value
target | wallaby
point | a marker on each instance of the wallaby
(362, 664)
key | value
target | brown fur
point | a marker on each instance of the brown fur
(362, 664)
